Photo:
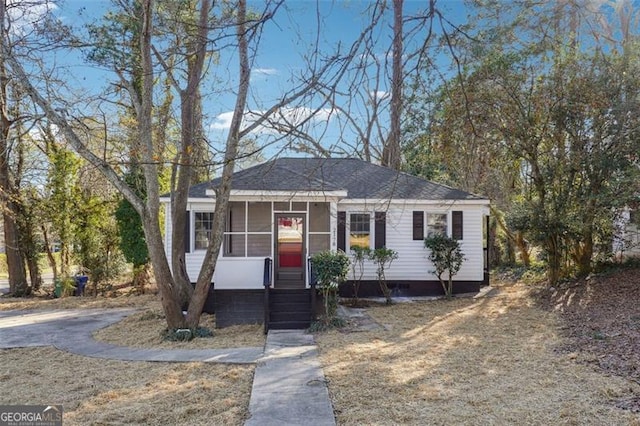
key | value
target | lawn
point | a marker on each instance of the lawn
(97, 391)
(467, 361)
(495, 360)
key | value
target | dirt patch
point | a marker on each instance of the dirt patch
(96, 391)
(601, 319)
(466, 361)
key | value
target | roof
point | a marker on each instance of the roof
(361, 180)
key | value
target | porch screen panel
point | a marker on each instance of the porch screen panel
(259, 217)
(318, 243)
(319, 217)
(258, 245)
(235, 236)
(235, 218)
(299, 206)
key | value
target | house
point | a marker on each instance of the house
(285, 210)
(626, 241)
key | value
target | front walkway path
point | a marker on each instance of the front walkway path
(71, 331)
(289, 387)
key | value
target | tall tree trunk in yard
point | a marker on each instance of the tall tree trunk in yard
(190, 131)
(170, 295)
(8, 199)
(224, 190)
(391, 151)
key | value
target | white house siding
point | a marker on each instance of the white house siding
(412, 263)
(627, 237)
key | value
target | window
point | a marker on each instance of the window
(203, 224)
(360, 230)
(436, 224)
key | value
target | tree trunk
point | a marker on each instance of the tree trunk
(50, 257)
(191, 132)
(224, 190)
(17, 274)
(391, 152)
(170, 296)
(15, 263)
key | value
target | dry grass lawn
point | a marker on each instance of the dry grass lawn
(488, 361)
(144, 329)
(99, 392)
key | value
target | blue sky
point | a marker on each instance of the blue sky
(284, 43)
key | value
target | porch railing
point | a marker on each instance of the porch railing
(266, 282)
(313, 281)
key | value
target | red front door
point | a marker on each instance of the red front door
(290, 251)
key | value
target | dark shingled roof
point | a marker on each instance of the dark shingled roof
(359, 178)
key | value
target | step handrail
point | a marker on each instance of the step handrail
(313, 281)
(266, 282)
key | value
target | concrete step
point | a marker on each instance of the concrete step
(290, 316)
(289, 325)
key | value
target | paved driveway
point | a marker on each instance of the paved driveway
(71, 330)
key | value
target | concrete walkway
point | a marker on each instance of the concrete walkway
(71, 331)
(289, 387)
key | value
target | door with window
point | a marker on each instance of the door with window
(290, 251)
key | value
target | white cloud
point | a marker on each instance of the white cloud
(222, 121)
(379, 95)
(262, 74)
(285, 117)
(26, 15)
(264, 71)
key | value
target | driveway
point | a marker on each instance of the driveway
(72, 331)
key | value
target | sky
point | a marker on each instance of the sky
(285, 42)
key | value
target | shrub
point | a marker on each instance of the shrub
(446, 256)
(331, 269)
(383, 257)
(360, 254)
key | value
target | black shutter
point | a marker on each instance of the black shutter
(418, 225)
(380, 230)
(187, 232)
(342, 231)
(456, 225)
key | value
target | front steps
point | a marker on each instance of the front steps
(289, 309)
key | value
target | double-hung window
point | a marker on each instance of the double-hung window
(203, 225)
(360, 230)
(436, 224)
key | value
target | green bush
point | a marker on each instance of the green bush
(383, 257)
(331, 268)
(446, 256)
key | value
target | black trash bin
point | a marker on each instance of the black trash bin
(81, 282)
